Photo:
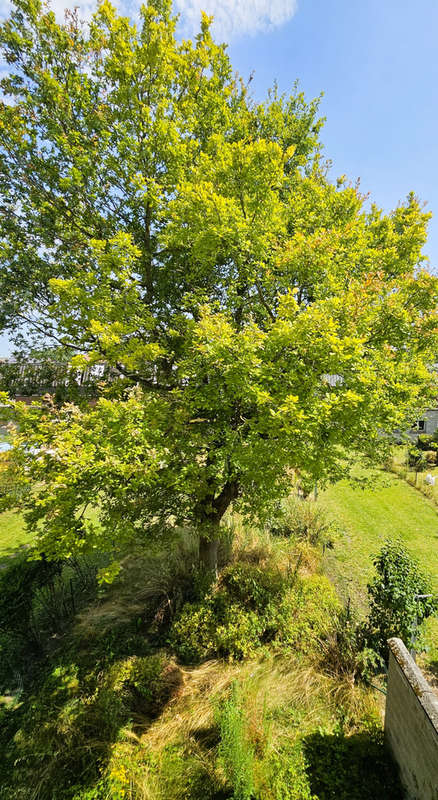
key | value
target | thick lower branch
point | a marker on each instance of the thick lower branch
(224, 499)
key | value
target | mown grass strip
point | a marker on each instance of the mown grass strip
(365, 518)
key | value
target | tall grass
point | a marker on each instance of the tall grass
(113, 716)
(266, 712)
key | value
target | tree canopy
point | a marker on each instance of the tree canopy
(154, 217)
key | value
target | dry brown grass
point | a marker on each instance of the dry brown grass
(256, 546)
(145, 576)
(272, 689)
(268, 685)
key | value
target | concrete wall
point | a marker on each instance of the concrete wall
(411, 724)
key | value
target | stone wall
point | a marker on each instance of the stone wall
(411, 724)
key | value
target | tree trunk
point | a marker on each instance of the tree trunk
(209, 526)
(208, 548)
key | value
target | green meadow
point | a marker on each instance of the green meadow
(364, 518)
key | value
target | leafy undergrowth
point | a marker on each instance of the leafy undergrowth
(168, 685)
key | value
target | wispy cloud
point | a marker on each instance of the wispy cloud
(86, 7)
(236, 17)
(232, 18)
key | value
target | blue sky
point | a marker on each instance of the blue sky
(376, 62)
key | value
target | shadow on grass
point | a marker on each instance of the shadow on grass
(356, 767)
(67, 695)
(58, 735)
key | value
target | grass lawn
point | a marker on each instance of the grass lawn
(12, 534)
(12, 531)
(417, 479)
(365, 518)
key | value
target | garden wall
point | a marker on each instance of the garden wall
(411, 724)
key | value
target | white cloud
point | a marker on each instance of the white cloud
(236, 17)
(231, 17)
(85, 7)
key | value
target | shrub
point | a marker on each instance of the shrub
(416, 458)
(203, 631)
(251, 585)
(345, 652)
(306, 613)
(355, 767)
(38, 600)
(19, 636)
(425, 441)
(184, 775)
(278, 522)
(414, 455)
(395, 609)
(66, 731)
(62, 735)
(250, 606)
(287, 778)
(230, 621)
(145, 684)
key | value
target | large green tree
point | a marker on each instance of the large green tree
(156, 218)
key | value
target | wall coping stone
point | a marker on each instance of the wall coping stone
(416, 679)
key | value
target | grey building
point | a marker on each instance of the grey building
(427, 424)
